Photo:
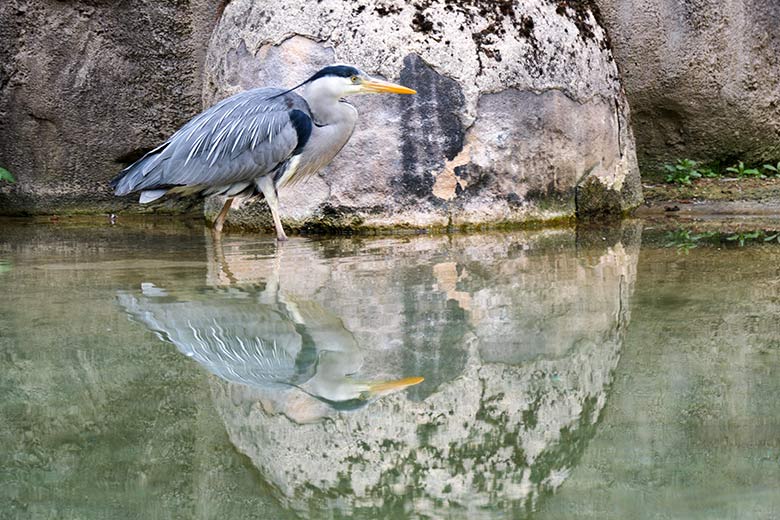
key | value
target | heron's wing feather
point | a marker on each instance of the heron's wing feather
(239, 139)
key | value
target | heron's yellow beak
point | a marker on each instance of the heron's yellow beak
(393, 386)
(375, 85)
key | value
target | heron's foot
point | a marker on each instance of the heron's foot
(281, 237)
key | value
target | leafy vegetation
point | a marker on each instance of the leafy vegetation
(683, 172)
(743, 171)
(772, 169)
(686, 170)
(6, 176)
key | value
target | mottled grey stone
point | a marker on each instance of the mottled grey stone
(701, 76)
(86, 87)
(518, 103)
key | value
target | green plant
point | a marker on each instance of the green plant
(682, 172)
(708, 172)
(5, 175)
(741, 171)
(744, 237)
(773, 169)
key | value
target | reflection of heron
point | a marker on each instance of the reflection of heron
(239, 336)
(255, 142)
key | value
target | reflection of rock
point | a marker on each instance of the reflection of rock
(510, 404)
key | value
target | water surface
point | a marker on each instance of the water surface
(158, 372)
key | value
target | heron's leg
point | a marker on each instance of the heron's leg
(266, 185)
(220, 220)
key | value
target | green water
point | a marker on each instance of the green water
(151, 371)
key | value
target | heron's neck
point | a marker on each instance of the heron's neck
(329, 110)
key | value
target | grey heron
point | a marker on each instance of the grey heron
(256, 142)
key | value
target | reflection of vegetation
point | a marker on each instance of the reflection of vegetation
(744, 236)
(5, 175)
(685, 240)
(5, 266)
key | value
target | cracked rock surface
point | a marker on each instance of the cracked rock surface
(519, 105)
(88, 87)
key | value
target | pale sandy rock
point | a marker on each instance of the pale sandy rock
(519, 104)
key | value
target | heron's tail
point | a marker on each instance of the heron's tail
(143, 174)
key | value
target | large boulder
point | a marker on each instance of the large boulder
(701, 76)
(519, 115)
(86, 87)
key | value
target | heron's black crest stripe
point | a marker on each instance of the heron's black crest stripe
(342, 71)
(302, 124)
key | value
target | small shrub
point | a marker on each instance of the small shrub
(742, 171)
(772, 169)
(683, 172)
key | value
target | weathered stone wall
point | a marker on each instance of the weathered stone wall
(85, 87)
(702, 77)
(519, 104)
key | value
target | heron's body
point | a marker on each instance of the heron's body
(255, 142)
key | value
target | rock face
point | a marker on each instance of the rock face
(701, 76)
(86, 87)
(519, 112)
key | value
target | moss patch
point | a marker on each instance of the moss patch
(596, 201)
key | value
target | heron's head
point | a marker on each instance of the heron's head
(343, 80)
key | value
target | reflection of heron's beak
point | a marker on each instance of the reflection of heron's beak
(375, 85)
(388, 387)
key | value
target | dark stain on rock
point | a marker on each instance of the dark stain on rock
(526, 27)
(220, 9)
(384, 10)
(500, 15)
(431, 129)
(421, 23)
(579, 11)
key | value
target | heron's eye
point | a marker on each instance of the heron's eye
(354, 79)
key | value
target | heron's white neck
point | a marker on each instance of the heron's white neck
(327, 108)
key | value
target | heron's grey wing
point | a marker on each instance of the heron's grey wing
(233, 339)
(239, 139)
